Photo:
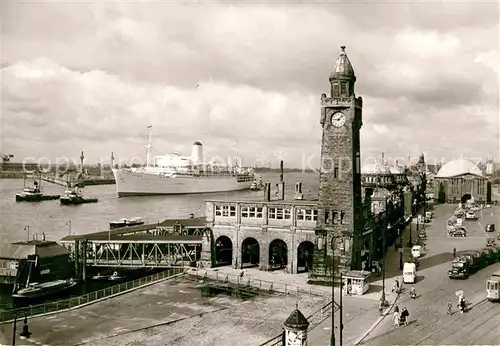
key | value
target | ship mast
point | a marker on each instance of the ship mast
(237, 154)
(149, 146)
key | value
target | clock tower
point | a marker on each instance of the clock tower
(340, 220)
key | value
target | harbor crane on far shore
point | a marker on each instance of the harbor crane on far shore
(6, 157)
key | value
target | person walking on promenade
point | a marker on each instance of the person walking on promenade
(396, 316)
(404, 316)
(454, 252)
(395, 287)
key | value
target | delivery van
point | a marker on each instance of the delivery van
(416, 251)
(409, 273)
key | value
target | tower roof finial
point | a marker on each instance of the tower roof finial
(343, 68)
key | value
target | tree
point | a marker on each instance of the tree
(441, 194)
(488, 192)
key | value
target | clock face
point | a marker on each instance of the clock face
(338, 119)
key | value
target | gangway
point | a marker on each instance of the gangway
(166, 244)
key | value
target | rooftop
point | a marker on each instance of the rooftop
(21, 250)
(459, 167)
(375, 168)
(196, 222)
(297, 320)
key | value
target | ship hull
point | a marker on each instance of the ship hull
(45, 292)
(69, 201)
(142, 184)
(35, 198)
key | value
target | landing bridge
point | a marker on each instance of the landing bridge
(170, 243)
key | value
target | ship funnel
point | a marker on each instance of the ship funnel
(197, 153)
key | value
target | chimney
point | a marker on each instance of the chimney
(282, 190)
(281, 171)
(267, 192)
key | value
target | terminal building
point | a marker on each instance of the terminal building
(461, 180)
(359, 210)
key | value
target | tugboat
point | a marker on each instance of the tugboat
(73, 196)
(134, 221)
(34, 193)
(257, 186)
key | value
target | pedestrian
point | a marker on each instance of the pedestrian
(462, 305)
(396, 316)
(395, 287)
(450, 306)
(454, 252)
(404, 316)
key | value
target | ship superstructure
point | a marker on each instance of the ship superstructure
(176, 174)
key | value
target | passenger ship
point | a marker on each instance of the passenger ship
(173, 174)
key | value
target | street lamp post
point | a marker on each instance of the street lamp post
(340, 308)
(25, 334)
(332, 341)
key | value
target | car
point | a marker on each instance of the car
(490, 227)
(459, 233)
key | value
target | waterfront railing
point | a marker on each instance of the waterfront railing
(86, 299)
(263, 285)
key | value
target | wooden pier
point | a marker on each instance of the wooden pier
(171, 243)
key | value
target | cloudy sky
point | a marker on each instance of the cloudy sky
(91, 76)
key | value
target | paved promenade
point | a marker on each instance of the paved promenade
(170, 312)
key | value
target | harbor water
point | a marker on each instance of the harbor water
(20, 220)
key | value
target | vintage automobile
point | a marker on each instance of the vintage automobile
(490, 241)
(490, 227)
(460, 232)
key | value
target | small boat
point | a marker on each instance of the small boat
(37, 290)
(73, 196)
(118, 224)
(116, 277)
(100, 276)
(134, 221)
(34, 194)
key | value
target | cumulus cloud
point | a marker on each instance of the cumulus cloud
(93, 76)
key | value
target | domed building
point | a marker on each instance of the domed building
(378, 182)
(460, 180)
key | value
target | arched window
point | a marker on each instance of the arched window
(343, 89)
(336, 90)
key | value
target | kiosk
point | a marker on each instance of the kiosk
(355, 282)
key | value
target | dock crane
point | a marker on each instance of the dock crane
(6, 157)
